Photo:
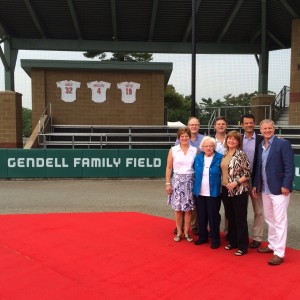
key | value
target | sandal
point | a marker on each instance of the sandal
(240, 253)
(188, 238)
(229, 247)
(177, 238)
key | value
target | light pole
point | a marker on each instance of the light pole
(193, 95)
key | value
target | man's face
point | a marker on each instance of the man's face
(194, 126)
(267, 130)
(248, 125)
(220, 126)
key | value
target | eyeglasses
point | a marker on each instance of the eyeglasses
(208, 146)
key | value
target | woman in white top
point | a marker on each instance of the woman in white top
(180, 187)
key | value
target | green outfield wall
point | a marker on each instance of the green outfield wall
(81, 163)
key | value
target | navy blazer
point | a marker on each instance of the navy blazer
(280, 167)
(258, 139)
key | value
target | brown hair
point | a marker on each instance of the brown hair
(183, 130)
(236, 135)
(221, 118)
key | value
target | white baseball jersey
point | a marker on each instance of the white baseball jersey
(128, 90)
(68, 89)
(98, 90)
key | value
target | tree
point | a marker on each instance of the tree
(27, 125)
(121, 56)
(239, 105)
(178, 106)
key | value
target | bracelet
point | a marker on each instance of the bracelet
(238, 182)
(168, 183)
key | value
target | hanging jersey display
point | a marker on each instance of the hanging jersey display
(128, 90)
(68, 89)
(98, 90)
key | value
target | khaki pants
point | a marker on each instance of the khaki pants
(194, 221)
(259, 219)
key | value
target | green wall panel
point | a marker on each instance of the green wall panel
(3, 163)
(138, 163)
(63, 163)
(163, 154)
(100, 163)
(80, 163)
(296, 184)
(26, 163)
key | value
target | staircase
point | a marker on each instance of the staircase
(283, 119)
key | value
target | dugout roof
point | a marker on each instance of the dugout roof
(156, 26)
(166, 68)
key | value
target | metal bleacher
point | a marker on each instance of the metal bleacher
(133, 137)
(50, 135)
(108, 137)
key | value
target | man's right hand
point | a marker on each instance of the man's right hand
(254, 192)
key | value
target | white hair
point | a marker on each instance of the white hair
(208, 139)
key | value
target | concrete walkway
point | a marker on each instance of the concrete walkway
(98, 195)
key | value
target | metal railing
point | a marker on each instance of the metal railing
(208, 114)
(45, 122)
(234, 113)
(282, 101)
(43, 125)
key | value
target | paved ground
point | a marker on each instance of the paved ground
(146, 196)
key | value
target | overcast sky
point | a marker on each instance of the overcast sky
(217, 75)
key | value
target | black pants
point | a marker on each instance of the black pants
(236, 214)
(208, 213)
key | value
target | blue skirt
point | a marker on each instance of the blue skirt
(182, 198)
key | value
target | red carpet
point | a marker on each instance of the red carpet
(129, 256)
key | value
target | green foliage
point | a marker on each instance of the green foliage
(27, 125)
(178, 106)
(232, 107)
(121, 56)
(93, 54)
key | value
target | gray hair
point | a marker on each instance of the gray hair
(208, 139)
(267, 121)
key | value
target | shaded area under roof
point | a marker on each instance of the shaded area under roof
(157, 26)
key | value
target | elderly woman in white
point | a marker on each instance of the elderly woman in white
(207, 191)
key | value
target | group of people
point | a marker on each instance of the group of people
(203, 171)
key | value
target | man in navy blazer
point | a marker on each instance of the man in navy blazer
(274, 177)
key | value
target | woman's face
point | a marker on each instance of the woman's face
(208, 148)
(184, 139)
(232, 142)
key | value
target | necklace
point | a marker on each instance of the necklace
(207, 161)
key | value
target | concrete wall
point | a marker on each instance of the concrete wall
(294, 111)
(11, 120)
(261, 113)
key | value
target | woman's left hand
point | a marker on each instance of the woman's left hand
(169, 189)
(232, 185)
